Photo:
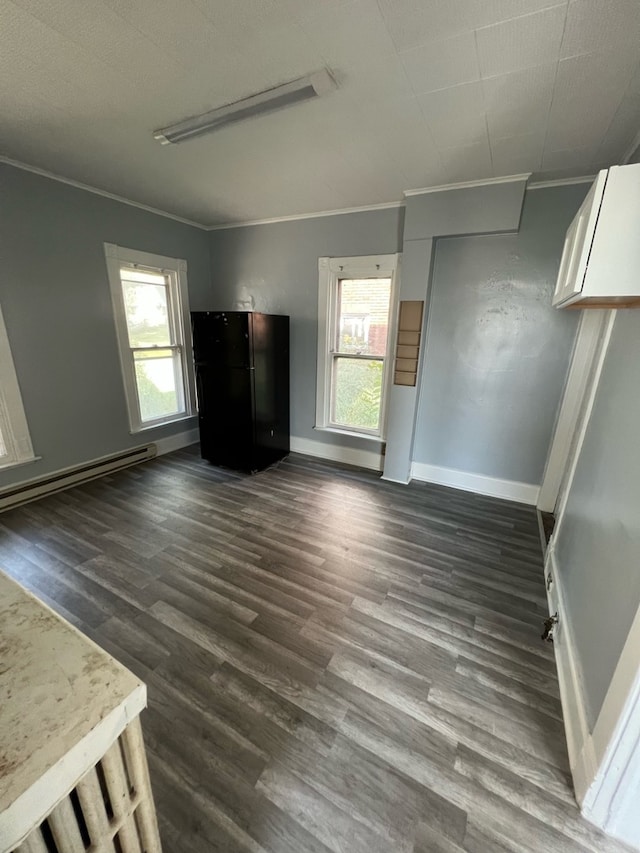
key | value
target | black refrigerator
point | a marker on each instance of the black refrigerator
(242, 380)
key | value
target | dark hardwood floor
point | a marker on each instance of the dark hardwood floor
(333, 663)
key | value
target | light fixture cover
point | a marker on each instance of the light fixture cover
(312, 86)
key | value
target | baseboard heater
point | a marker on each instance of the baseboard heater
(41, 486)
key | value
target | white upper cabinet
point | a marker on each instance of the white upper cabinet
(600, 264)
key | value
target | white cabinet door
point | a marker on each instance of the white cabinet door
(575, 256)
(567, 255)
(613, 272)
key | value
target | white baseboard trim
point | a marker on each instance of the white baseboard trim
(337, 453)
(526, 493)
(176, 442)
(582, 756)
(611, 802)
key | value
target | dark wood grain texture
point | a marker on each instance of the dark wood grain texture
(333, 663)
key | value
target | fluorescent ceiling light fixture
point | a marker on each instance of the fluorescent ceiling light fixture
(312, 86)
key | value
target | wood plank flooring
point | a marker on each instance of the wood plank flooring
(333, 663)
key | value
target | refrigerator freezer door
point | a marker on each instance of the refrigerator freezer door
(222, 339)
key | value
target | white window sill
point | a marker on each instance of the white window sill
(4, 466)
(163, 423)
(352, 433)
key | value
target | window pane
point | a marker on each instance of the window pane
(159, 378)
(363, 315)
(147, 314)
(357, 392)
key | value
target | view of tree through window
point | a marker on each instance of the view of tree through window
(157, 363)
(362, 323)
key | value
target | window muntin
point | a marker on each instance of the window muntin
(151, 311)
(355, 311)
(361, 326)
(155, 344)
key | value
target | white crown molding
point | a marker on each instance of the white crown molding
(483, 182)
(224, 226)
(561, 182)
(44, 173)
(386, 205)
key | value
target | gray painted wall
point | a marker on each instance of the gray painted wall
(274, 268)
(468, 210)
(497, 352)
(483, 209)
(56, 302)
(598, 541)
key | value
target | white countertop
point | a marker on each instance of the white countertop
(63, 702)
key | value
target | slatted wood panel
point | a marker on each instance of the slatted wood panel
(333, 663)
(110, 810)
(408, 344)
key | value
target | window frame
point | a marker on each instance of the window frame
(175, 270)
(14, 429)
(330, 271)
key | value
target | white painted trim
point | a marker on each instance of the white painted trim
(611, 802)
(349, 433)
(325, 311)
(247, 223)
(176, 442)
(330, 270)
(583, 363)
(483, 182)
(561, 182)
(605, 763)
(175, 273)
(44, 173)
(584, 417)
(541, 533)
(582, 758)
(7, 466)
(624, 685)
(387, 205)
(382, 266)
(337, 453)
(14, 429)
(511, 490)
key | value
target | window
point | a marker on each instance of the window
(15, 442)
(356, 298)
(151, 310)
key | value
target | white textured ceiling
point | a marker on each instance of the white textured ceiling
(430, 92)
